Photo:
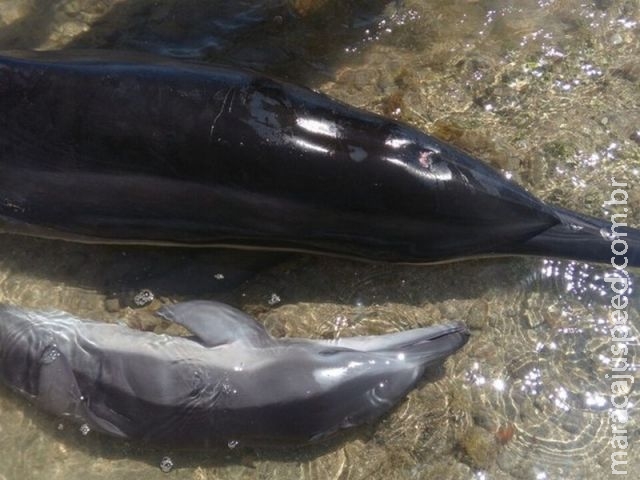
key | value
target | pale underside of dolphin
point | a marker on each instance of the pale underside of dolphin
(121, 148)
(230, 382)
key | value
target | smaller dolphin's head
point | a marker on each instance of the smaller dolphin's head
(356, 380)
(364, 389)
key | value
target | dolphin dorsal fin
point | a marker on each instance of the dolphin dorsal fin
(215, 323)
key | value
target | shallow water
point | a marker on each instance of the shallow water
(547, 91)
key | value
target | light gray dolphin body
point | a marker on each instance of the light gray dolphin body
(230, 382)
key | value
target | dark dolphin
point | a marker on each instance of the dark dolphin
(231, 382)
(112, 147)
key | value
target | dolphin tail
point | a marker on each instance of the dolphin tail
(581, 237)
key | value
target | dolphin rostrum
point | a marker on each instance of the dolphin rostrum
(131, 148)
(230, 382)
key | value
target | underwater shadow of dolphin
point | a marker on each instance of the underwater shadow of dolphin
(230, 382)
(130, 148)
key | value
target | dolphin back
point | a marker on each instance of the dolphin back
(110, 147)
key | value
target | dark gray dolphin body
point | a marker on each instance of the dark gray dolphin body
(232, 382)
(110, 147)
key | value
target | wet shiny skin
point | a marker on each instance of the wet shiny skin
(134, 149)
(231, 383)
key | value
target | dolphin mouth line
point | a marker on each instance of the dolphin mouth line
(35, 231)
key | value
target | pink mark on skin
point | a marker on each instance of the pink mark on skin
(425, 158)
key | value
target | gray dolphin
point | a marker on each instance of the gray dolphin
(121, 148)
(230, 382)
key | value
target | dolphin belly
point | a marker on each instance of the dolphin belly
(113, 147)
(230, 382)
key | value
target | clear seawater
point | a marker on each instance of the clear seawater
(547, 91)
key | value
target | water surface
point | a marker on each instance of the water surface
(547, 91)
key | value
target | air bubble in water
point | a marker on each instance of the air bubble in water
(85, 429)
(233, 444)
(166, 464)
(274, 299)
(50, 354)
(143, 298)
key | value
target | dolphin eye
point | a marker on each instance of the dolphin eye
(379, 395)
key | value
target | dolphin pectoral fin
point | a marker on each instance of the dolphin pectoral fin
(58, 390)
(215, 323)
(59, 393)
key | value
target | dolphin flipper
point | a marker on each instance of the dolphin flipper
(58, 391)
(215, 323)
